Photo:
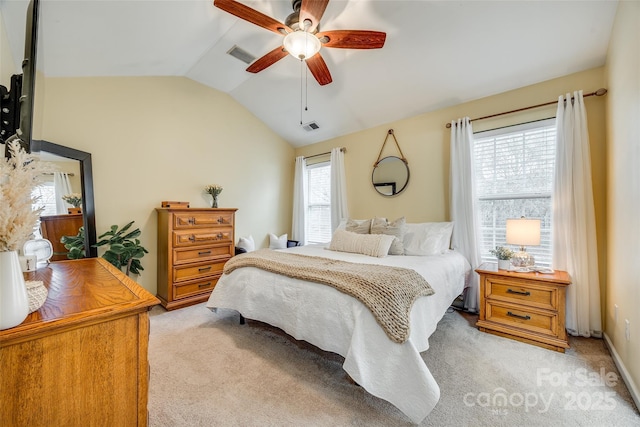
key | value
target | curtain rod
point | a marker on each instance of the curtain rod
(343, 149)
(51, 173)
(599, 92)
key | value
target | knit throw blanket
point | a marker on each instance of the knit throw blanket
(389, 292)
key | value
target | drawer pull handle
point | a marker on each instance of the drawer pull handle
(205, 268)
(192, 238)
(192, 221)
(220, 236)
(220, 220)
(519, 316)
(204, 285)
(511, 291)
(204, 253)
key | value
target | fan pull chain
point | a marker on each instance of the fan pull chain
(306, 90)
(301, 99)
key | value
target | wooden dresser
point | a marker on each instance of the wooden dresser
(53, 227)
(528, 307)
(81, 359)
(193, 246)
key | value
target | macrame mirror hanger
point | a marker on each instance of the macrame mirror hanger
(390, 132)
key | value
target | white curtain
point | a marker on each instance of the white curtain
(463, 205)
(574, 224)
(62, 187)
(339, 210)
(299, 201)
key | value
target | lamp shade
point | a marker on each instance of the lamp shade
(523, 232)
(301, 44)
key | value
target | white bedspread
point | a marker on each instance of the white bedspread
(336, 322)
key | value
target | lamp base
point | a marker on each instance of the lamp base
(523, 259)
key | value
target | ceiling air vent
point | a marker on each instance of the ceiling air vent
(310, 126)
(241, 54)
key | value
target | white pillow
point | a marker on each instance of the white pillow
(376, 245)
(427, 238)
(276, 242)
(360, 226)
(246, 243)
(395, 228)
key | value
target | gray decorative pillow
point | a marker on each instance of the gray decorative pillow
(395, 228)
(360, 226)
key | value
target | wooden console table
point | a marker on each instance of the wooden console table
(81, 359)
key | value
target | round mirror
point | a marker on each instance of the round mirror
(390, 176)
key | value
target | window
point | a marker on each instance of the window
(318, 218)
(514, 178)
(46, 195)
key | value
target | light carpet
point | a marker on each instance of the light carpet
(208, 370)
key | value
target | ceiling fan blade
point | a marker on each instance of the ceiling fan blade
(353, 39)
(313, 11)
(319, 69)
(248, 14)
(267, 60)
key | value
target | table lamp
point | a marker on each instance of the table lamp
(523, 232)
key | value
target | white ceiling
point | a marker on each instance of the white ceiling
(437, 53)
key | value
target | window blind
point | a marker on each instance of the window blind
(514, 178)
(318, 219)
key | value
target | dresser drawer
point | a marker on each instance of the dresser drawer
(530, 319)
(184, 290)
(202, 219)
(198, 271)
(522, 292)
(206, 253)
(184, 238)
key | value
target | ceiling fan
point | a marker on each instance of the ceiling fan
(302, 36)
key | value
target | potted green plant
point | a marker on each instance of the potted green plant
(504, 255)
(75, 200)
(74, 244)
(124, 249)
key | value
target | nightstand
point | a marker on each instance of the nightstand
(528, 307)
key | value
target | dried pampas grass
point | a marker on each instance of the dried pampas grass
(19, 175)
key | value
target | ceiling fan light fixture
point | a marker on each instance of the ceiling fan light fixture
(301, 44)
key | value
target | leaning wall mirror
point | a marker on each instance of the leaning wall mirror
(391, 173)
(390, 176)
(55, 224)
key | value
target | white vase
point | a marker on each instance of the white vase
(14, 300)
(504, 264)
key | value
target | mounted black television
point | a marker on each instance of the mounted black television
(24, 131)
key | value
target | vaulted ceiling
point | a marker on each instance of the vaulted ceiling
(437, 53)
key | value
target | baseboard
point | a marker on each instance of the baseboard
(631, 385)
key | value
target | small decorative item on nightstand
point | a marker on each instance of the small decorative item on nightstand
(523, 232)
(504, 256)
(528, 307)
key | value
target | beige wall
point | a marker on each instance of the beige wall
(623, 184)
(424, 140)
(165, 138)
(7, 63)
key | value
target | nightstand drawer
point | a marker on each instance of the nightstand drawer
(538, 321)
(522, 292)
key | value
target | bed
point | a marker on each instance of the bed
(339, 323)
